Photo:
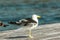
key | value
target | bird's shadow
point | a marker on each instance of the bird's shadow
(16, 37)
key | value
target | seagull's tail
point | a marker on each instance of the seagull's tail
(11, 22)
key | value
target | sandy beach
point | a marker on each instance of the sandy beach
(43, 32)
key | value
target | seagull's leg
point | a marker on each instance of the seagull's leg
(30, 34)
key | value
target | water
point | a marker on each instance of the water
(50, 13)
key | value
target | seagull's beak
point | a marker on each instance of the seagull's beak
(38, 16)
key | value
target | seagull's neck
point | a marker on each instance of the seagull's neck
(35, 19)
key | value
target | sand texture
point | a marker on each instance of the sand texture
(43, 32)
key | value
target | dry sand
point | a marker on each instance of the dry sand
(43, 32)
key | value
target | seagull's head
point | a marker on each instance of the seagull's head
(36, 16)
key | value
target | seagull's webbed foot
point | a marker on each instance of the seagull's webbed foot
(31, 36)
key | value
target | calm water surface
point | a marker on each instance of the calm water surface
(50, 13)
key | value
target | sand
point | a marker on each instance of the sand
(42, 32)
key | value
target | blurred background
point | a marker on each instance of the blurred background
(14, 10)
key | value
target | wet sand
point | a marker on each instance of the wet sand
(43, 32)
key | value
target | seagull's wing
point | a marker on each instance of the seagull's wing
(25, 21)
(30, 20)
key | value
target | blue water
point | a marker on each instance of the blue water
(50, 13)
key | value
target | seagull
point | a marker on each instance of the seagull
(31, 23)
